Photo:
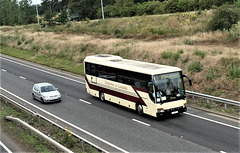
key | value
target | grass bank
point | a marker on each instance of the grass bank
(50, 61)
(30, 140)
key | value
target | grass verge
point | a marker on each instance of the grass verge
(33, 142)
(47, 60)
(214, 106)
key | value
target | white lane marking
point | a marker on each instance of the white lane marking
(5, 147)
(66, 122)
(223, 152)
(44, 71)
(22, 77)
(210, 120)
(84, 83)
(85, 101)
(4, 70)
(141, 122)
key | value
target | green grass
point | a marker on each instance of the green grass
(146, 25)
(30, 139)
(66, 64)
(170, 55)
(197, 52)
(23, 135)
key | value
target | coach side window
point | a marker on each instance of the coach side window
(87, 68)
(93, 69)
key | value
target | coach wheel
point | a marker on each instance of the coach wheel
(139, 109)
(101, 96)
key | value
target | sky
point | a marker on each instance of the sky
(34, 2)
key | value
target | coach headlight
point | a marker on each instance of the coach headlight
(160, 110)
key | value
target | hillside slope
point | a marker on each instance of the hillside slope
(210, 59)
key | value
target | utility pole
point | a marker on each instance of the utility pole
(102, 9)
(37, 14)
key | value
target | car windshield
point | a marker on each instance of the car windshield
(48, 88)
(169, 87)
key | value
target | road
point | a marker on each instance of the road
(194, 131)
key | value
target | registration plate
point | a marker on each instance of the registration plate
(175, 112)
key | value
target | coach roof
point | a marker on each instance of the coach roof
(131, 65)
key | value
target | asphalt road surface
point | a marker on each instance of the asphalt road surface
(194, 131)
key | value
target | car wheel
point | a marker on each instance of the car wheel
(42, 101)
(33, 96)
(101, 96)
(139, 109)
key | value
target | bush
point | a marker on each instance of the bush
(224, 17)
(234, 72)
(194, 67)
(170, 55)
(188, 42)
(197, 52)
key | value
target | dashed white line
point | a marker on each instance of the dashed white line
(141, 122)
(44, 71)
(22, 77)
(4, 70)
(66, 122)
(6, 148)
(85, 101)
(210, 120)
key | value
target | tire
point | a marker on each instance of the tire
(33, 96)
(42, 101)
(101, 96)
(139, 109)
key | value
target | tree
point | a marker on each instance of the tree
(224, 17)
(63, 17)
(85, 8)
(14, 13)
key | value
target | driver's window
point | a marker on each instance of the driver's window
(151, 92)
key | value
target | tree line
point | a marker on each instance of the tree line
(14, 12)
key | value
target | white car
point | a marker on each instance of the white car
(45, 92)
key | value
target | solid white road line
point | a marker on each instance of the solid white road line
(43, 71)
(85, 101)
(141, 122)
(210, 120)
(5, 147)
(66, 122)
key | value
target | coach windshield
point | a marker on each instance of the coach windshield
(169, 87)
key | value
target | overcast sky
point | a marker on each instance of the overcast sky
(36, 2)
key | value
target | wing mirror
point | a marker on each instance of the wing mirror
(189, 80)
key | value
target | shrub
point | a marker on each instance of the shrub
(194, 67)
(224, 17)
(185, 60)
(19, 42)
(188, 42)
(234, 72)
(234, 32)
(180, 51)
(212, 73)
(197, 52)
(170, 55)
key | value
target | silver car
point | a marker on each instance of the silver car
(45, 92)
